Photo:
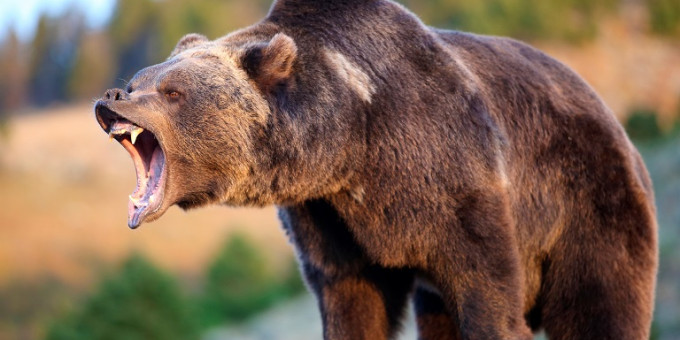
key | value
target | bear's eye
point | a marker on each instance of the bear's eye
(174, 95)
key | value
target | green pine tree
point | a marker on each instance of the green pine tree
(139, 303)
(239, 284)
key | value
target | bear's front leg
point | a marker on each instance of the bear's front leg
(363, 306)
(357, 298)
(353, 308)
(433, 319)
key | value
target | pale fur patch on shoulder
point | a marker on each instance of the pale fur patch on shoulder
(504, 181)
(350, 72)
(470, 78)
(358, 194)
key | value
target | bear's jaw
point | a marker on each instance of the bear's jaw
(149, 162)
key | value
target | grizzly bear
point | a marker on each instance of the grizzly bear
(473, 174)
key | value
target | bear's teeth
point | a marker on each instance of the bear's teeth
(134, 133)
(118, 131)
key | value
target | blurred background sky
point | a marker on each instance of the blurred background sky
(22, 16)
(71, 269)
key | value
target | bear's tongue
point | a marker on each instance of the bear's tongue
(149, 162)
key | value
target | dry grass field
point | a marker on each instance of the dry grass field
(627, 67)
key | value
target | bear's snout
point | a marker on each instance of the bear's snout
(116, 94)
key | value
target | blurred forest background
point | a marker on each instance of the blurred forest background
(70, 268)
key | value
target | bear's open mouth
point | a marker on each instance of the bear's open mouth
(149, 161)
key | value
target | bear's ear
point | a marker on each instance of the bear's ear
(188, 41)
(270, 64)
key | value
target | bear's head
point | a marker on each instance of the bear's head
(190, 122)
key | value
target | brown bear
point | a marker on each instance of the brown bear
(474, 174)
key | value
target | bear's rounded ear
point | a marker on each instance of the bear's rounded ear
(188, 41)
(271, 63)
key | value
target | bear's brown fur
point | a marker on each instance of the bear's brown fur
(473, 173)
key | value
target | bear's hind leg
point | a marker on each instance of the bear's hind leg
(367, 305)
(601, 290)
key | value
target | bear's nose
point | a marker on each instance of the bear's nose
(116, 94)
